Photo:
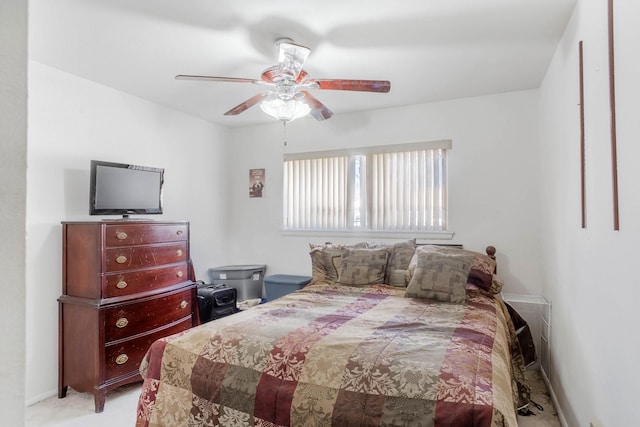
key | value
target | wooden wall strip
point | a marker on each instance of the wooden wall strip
(582, 148)
(612, 102)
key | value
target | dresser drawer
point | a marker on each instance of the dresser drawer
(130, 319)
(125, 357)
(133, 282)
(142, 234)
(131, 258)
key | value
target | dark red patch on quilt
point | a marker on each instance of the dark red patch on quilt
(154, 356)
(274, 393)
(451, 414)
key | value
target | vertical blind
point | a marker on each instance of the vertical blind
(408, 190)
(385, 188)
(316, 193)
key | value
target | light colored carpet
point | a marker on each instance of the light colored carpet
(548, 417)
(77, 410)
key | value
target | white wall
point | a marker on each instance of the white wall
(72, 121)
(493, 178)
(591, 274)
(13, 189)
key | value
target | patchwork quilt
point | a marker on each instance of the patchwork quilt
(344, 356)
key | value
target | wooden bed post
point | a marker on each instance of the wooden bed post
(491, 251)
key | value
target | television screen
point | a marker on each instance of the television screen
(124, 189)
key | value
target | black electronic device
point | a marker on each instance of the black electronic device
(124, 189)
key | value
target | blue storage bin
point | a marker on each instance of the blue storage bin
(278, 285)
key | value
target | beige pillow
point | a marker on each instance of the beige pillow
(324, 258)
(482, 269)
(400, 255)
(396, 278)
(440, 276)
(361, 267)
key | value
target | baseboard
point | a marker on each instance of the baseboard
(554, 399)
(41, 397)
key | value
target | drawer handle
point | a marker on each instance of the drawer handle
(121, 284)
(121, 259)
(179, 274)
(179, 232)
(122, 359)
(121, 235)
(184, 304)
(122, 322)
(179, 252)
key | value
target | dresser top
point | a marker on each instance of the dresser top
(127, 221)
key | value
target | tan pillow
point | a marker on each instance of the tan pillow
(361, 267)
(400, 255)
(396, 278)
(440, 276)
(324, 257)
(482, 269)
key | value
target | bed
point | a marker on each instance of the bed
(385, 334)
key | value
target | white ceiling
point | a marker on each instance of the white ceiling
(430, 50)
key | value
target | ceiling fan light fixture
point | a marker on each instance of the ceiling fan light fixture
(284, 110)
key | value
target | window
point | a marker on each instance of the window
(386, 188)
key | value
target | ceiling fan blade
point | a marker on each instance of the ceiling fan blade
(245, 105)
(291, 57)
(318, 110)
(382, 86)
(217, 79)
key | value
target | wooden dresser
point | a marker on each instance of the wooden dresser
(124, 285)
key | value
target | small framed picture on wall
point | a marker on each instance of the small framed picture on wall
(256, 182)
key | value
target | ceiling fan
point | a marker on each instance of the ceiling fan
(287, 95)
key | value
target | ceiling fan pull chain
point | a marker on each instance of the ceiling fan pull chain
(284, 149)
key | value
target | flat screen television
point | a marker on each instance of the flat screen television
(125, 189)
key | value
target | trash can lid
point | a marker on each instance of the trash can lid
(240, 267)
